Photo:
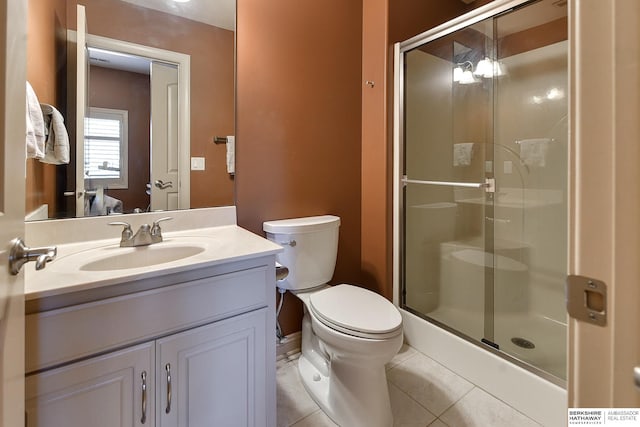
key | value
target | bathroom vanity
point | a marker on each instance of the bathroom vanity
(175, 342)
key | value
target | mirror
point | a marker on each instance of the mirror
(161, 79)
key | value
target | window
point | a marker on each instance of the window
(106, 148)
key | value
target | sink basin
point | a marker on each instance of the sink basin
(142, 256)
(114, 258)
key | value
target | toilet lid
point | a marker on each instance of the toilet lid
(355, 311)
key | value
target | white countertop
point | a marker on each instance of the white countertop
(222, 244)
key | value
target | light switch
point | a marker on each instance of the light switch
(197, 163)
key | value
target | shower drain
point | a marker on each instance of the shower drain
(522, 342)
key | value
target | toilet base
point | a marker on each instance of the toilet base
(366, 402)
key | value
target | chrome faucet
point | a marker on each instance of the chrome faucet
(146, 234)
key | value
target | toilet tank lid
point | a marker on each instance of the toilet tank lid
(301, 225)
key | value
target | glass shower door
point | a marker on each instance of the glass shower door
(447, 172)
(484, 182)
(530, 207)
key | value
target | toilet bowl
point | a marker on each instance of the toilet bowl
(348, 333)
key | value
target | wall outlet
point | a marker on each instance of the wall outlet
(197, 163)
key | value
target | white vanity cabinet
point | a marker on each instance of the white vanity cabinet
(102, 391)
(196, 351)
(209, 376)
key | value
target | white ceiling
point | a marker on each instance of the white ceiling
(119, 61)
(219, 13)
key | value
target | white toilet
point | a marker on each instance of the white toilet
(348, 333)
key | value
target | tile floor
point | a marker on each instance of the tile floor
(423, 393)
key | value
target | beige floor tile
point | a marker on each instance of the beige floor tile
(429, 383)
(406, 352)
(479, 409)
(293, 402)
(438, 423)
(317, 419)
(406, 411)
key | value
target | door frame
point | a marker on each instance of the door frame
(604, 229)
(13, 38)
(183, 62)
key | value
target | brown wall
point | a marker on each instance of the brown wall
(46, 55)
(298, 121)
(408, 18)
(533, 38)
(376, 206)
(128, 91)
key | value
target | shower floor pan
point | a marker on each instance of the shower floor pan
(547, 335)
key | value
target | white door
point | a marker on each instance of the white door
(82, 93)
(605, 199)
(115, 389)
(214, 375)
(164, 137)
(12, 173)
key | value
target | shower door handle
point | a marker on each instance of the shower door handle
(636, 377)
(489, 184)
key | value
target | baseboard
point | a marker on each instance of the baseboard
(288, 345)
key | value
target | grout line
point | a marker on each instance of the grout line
(459, 399)
(305, 417)
(414, 400)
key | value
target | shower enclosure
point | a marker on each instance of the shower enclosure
(482, 181)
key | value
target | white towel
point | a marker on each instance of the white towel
(462, 153)
(57, 139)
(533, 152)
(101, 204)
(35, 126)
(231, 154)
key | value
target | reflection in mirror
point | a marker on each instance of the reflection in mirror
(145, 90)
(122, 134)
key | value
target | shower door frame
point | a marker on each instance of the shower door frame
(488, 11)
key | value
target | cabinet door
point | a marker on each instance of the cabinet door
(214, 375)
(104, 391)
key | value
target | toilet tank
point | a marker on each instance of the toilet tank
(310, 249)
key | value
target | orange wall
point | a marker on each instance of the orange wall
(298, 121)
(128, 91)
(46, 56)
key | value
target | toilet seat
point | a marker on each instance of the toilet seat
(356, 311)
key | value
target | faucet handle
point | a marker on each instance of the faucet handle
(166, 218)
(156, 231)
(127, 233)
(156, 224)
